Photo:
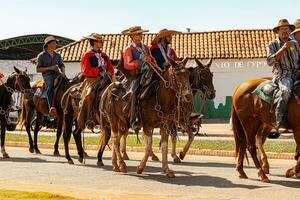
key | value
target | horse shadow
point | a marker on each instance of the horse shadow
(27, 160)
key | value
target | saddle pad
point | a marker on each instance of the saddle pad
(40, 93)
(258, 92)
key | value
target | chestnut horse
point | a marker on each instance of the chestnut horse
(251, 117)
(157, 111)
(17, 81)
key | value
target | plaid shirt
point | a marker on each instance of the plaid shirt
(289, 62)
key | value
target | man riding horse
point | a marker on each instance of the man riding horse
(160, 48)
(98, 71)
(50, 64)
(137, 59)
(283, 56)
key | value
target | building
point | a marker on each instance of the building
(238, 55)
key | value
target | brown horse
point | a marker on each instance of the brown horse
(40, 105)
(17, 81)
(251, 117)
(157, 111)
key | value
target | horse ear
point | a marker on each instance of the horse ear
(16, 70)
(209, 62)
(184, 61)
(199, 63)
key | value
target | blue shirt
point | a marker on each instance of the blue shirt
(44, 59)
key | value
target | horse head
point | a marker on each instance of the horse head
(19, 80)
(202, 78)
(178, 76)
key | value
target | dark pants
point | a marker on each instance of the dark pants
(49, 80)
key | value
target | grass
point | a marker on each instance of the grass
(278, 146)
(17, 195)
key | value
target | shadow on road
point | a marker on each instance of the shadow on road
(27, 160)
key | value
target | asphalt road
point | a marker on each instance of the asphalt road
(198, 177)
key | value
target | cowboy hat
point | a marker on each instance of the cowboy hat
(164, 33)
(95, 36)
(297, 26)
(48, 40)
(134, 30)
(281, 23)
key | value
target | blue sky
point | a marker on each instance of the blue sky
(77, 18)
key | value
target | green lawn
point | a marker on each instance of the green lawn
(270, 145)
(17, 195)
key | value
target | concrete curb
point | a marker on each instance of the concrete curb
(198, 152)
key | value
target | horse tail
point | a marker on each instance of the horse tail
(22, 116)
(238, 132)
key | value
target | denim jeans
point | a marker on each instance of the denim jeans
(49, 80)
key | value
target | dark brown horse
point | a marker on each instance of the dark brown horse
(40, 105)
(157, 111)
(17, 81)
(251, 117)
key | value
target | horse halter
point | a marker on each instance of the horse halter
(205, 88)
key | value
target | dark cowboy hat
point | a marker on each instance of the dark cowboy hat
(134, 30)
(164, 33)
(281, 23)
(48, 40)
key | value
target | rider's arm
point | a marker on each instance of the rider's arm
(271, 54)
(61, 65)
(42, 69)
(129, 63)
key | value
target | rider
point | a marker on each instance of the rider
(160, 47)
(283, 56)
(137, 58)
(51, 65)
(98, 71)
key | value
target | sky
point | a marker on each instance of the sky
(77, 18)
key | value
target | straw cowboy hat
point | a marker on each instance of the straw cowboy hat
(281, 23)
(95, 36)
(164, 33)
(48, 40)
(134, 30)
(297, 26)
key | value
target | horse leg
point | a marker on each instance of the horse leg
(67, 135)
(148, 149)
(176, 159)
(187, 145)
(296, 169)
(153, 156)
(29, 114)
(58, 134)
(260, 140)
(38, 122)
(164, 148)
(251, 129)
(3, 130)
(116, 148)
(104, 140)
(122, 131)
(123, 146)
(78, 142)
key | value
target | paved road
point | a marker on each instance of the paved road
(199, 177)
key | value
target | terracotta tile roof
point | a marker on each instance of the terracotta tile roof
(232, 44)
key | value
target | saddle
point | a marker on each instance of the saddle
(41, 87)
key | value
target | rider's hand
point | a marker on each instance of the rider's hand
(288, 45)
(147, 59)
(55, 68)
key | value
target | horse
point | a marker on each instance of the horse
(40, 105)
(157, 111)
(251, 118)
(201, 78)
(17, 81)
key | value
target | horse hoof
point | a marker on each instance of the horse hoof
(139, 170)
(56, 153)
(5, 155)
(70, 162)
(116, 169)
(181, 156)
(125, 156)
(289, 173)
(265, 180)
(100, 164)
(37, 151)
(31, 150)
(80, 160)
(243, 176)
(123, 168)
(177, 160)
(155, 158)
(170, 174)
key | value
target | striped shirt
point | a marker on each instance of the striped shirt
(289, 62)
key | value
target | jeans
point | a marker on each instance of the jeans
(49, 80)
